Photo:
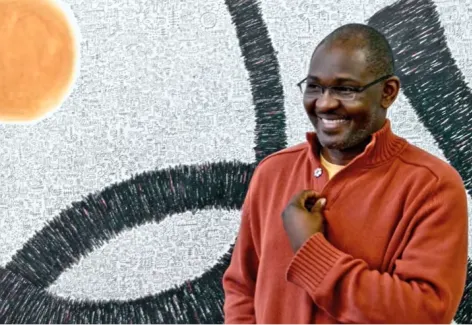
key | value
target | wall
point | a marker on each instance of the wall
(124, 204)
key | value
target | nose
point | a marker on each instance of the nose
(326, 102)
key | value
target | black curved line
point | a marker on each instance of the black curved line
(98, 218)
(261, 62)
(198, 301)
(149, 197)
(245, 15)
(436, 90)
(430, 78)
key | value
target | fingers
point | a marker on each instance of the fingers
(306, 194)
(305, 199)
(319, 206)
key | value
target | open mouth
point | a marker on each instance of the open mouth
(333, 123)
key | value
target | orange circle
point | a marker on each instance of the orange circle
(38, 58)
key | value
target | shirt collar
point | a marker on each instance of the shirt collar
(383, 146)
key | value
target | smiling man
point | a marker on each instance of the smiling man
(355, 225)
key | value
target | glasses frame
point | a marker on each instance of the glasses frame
(357, 90)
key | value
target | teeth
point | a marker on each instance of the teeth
(333, 121)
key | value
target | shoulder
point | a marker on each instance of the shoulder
(285, 154)
(284, 157)
(427, 164)
(279, 162)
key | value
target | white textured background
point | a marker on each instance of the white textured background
(163, 83)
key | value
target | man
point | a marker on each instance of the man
(356, 225)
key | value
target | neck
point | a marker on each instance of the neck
(345, 156)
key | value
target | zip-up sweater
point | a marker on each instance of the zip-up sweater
(394, 247)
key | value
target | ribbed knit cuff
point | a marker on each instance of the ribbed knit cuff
(312, 262)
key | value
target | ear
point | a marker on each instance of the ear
(390, 91)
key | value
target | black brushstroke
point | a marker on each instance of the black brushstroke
(263, 68)
(149, 198)
(86, 225)
(194, 302)
(435, 88)
(430, 78)
(22, 290)
(464, 314)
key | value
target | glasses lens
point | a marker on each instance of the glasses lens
(343, 95)
(313, 91)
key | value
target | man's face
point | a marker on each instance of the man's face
(343, 124)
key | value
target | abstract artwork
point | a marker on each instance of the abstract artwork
(123, 205)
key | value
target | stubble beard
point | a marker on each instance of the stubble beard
(354, 139)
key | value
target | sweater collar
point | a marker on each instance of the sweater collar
(383, 146)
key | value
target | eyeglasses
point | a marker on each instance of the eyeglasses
(345, 93)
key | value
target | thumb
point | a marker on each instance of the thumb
(319, 206)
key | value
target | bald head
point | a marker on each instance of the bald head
(378, 53)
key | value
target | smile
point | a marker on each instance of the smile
(332, 124)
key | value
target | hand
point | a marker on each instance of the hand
(303, 217)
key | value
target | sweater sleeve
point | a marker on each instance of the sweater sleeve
(426, 285)
(239, 280)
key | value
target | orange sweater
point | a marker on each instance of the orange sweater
(394, 248)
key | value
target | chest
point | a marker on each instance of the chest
(362, 218)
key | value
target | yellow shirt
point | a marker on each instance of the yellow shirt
(331, 168)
